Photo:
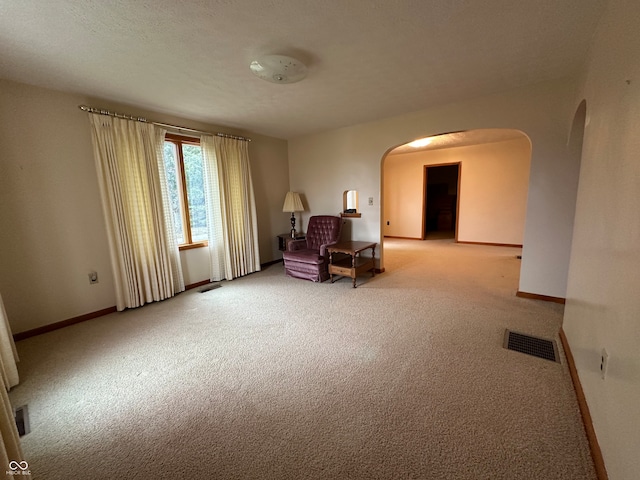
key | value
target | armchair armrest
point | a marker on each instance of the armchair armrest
(323, 248)
(294, 245)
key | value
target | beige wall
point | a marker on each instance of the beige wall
(494, 182)
(603, 294)
(53, 230)
(324, 165)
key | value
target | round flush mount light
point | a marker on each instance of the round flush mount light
(279, 69)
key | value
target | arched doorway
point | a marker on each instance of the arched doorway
(493, 168)
(576, 139)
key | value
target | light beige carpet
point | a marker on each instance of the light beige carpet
(270, 377)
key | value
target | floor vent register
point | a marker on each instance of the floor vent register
(538, 347)
(21, 415)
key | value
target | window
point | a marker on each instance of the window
(185, 179)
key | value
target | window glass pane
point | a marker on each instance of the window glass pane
(174, 186)
(194, 173)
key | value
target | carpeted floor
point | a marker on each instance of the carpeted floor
(270, 377)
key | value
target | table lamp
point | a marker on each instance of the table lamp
(292, 203)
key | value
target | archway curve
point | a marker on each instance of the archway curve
(448, 140)
(574, 147)
(578, 124)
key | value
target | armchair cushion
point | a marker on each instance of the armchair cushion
(308, 258)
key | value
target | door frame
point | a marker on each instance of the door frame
(424, 197)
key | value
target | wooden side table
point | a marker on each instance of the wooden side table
(354, 264)
(285, 238)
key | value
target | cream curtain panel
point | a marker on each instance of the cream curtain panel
(231, 208)
(10, 450)
(8, 352)
(144, 251)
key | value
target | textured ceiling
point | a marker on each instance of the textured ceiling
(367, 59)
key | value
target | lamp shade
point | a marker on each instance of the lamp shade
(292, 203)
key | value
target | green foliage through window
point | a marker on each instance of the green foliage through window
(184, 168)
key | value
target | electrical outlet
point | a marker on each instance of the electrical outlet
(93, 277)
(604, 363)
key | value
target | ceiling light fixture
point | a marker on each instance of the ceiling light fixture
(421, 142)
(279, 69)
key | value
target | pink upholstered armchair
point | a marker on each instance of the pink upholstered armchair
(308, 258)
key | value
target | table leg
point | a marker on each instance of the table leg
(353, 267)
(373, 258)
(331, 263)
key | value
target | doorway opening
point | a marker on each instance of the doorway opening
(441, 201)
(491, 196)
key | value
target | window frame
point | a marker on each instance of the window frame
(178, 141)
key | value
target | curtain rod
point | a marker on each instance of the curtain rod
(103, 111)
